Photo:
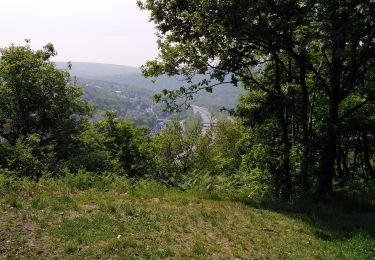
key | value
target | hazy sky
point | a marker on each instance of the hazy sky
(106, 31)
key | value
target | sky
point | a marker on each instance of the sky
(104, 31)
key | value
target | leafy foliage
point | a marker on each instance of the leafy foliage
(305, 64)
(40, 110)
(304, 124)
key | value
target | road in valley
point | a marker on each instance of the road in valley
(206, 116)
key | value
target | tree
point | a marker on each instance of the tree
(173, 151)
(324, 47)
(127, 143)
(112, 145)
(38, 99)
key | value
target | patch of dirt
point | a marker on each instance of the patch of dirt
(19, 236)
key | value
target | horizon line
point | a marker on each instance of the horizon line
(94, 62)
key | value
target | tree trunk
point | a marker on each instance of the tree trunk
(327, 163)
(329, 150)
(305, 126)
(366, 156)
(285, 178)
(286, 182)
(340, 164)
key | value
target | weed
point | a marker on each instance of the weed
(199, 248)
(13, 201)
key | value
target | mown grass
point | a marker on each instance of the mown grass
(84, 217)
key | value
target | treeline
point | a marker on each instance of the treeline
(46, 131)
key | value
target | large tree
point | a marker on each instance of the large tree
(37, 98)
(327, 48)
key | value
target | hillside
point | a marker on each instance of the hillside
(130, 102)
(107, 74)
(82, 217)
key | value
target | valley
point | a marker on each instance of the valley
(123, 89)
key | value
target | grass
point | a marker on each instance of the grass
(110, 218)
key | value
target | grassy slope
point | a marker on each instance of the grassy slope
(55, 219)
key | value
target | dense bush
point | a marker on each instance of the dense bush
(173, 151)
(112, 145)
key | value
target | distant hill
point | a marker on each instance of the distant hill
(97, 70)
(222, 96)
(153, 84)
(124, 75)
